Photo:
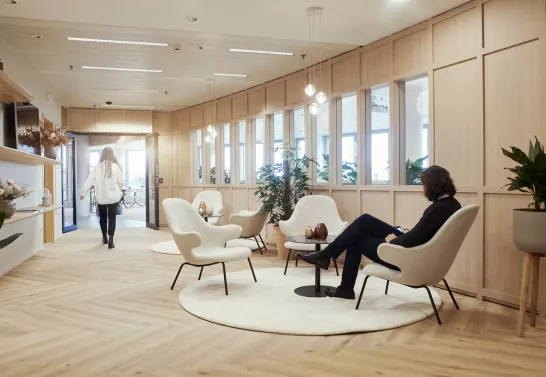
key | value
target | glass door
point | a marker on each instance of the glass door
(152, 182)
(68, 184)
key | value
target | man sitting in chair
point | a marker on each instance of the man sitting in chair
(366, 233)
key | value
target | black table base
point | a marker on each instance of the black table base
(316, 290)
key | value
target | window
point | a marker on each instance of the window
(242, 151)
(415, 130)
(227, 154)
(197, 157)
(211, 147)
(298, 120)
(323, 143)
(380, 133)
(278, 136)
(94, 158)
(349, 143)
(136, 169)
(259, 133)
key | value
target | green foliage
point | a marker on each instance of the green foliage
(6, 241)
(349, 172)
(530, 173)
(281, 185)
(213, 175)
(227, 176)
(414, 170)
(200, 174)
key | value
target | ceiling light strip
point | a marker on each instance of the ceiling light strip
(261, 52)
(117, 42)
(129, 106)
(230, 75)
(122, 69)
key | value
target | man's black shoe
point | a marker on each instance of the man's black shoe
(340, 293)
(317, 258)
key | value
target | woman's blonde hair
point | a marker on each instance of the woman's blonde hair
(108, 158)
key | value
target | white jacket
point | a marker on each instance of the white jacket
(107, 190)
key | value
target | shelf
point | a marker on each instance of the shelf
(20, 157)
(11, 92)
(19, 216)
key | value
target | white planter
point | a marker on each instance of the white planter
(9, 207)
(530, 230)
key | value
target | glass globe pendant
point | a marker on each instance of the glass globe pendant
(207, 139)
(313, 108)
(321, 98)
(310, 90)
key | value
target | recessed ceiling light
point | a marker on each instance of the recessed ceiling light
(122, 69)
(192, 19)
(129, 90)
(262, 52)
(117, 42)
(129, 106)
(11, 2)
(229, 75)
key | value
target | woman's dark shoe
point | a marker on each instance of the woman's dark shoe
(111, 242)
(104, 239)
(318, 258)
(340, 293)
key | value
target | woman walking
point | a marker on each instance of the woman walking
(108, 180)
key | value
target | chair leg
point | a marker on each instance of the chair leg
(335, 265)
(178, 273)
(259, 246)
(433, 305)
(451, 294)
(201, 273)
(263, 243)
(387, 287)
(225, 278)
(251, 269)
(287, 260)
(297, 259)
(361, 293)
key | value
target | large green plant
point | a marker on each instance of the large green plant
(530, 173)
(349, 172)
(414, 170)
(283, 184)
(6, 241)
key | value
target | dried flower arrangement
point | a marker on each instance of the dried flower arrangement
(48, 137)
(11, 191)
(29, 136)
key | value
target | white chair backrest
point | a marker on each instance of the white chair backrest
(256, 224)
(428, 264)
(211, 198)
(314, 209)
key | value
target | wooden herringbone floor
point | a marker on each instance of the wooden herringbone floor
(77, 309)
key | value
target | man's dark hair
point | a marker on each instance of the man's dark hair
(437, 182)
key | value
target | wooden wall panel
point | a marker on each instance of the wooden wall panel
(161, 122)
(508, 22)
(184, 160)
(378, 204)
(110, 121)
(227, 201)
(193, 193)
(457, 121)
(345, 73)
(164, 162)
(503, 261)
(409, 207)
(239, 199)
(239, 106)
(223, 110)
(295, 85)
(412, 53)
(347, 204)
(457, 38)
(82, 119)
(184, 193)
(256, 101)
(197, 117)
(184, 121)
(275, 95)
(376, 65)
(514, 101)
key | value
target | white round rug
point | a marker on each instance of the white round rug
(167, 247)
(270, 305)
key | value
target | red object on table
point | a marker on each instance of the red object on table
(321, 232)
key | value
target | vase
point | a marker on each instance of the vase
(209, 211)
(8, 207)
(308, 232)
(202, 208)
(321, 232)
(51, 152)
(529, 226)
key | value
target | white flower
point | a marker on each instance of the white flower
(1, 192)
(9, 181)
(52, 135)
(17, 187)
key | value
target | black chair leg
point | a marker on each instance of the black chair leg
(201, 273)
(225, 278)
(433, 305)
(297, 259)
(335, 264)
(178, 273)
(451, 294)
(387, 287)
(361, 292)
(259, 246)
(263, 243)
(251, 269)
(287, 260)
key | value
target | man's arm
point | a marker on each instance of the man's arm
(422, 232)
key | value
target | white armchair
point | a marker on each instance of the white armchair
(427, 264)
(252, 223)
(212, 199)
(202, 244)
(311, 210)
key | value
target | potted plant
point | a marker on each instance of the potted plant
(281, 186)
(9, 192)
(529, 177)
(6, 241)
(414, 170)
(52, 139)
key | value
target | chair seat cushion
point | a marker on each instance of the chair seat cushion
(380, 271)
(206, 255)
(214, 220)
(302, 246)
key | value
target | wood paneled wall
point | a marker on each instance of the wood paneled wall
(485, 64)
(108, 121)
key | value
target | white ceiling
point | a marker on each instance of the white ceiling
(280, 25)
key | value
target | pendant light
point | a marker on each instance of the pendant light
(315, 13)
(314, 108)
(211, 130)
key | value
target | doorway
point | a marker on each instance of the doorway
(68, 184)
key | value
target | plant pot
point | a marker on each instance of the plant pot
(280, 240)
(530, 230)
(51, 152)
(8, 207)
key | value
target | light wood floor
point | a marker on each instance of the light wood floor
(77, 309)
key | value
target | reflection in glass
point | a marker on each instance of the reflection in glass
(198, 157)
(380, 131)
(259, 131)
(242, 151)
(323, 142)
(212, 157)
(299, 131)
(416, 128)
(227, 155)
(349, 144)
(278, 136)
